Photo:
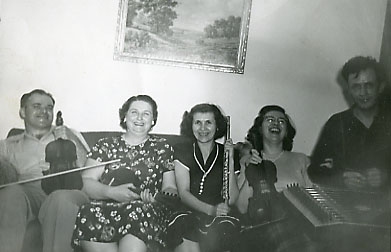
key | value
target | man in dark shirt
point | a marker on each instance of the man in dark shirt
(353, 150)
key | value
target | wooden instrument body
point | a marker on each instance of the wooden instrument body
(266, 204)
(61, 155)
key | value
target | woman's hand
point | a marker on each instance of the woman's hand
(221, 209)
(229, 146)
(253, 158)
(123, 193)
(147, 197)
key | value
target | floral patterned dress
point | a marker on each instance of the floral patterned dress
(109, 221)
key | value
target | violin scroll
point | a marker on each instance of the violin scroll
(61, 154)
(59, 119)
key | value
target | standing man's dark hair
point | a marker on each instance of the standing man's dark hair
(360, 63)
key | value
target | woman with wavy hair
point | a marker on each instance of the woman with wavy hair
(199, 172)
(124, 213)
(269, 169)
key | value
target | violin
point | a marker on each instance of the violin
(261, 177)
(266, 204)
(61, 155)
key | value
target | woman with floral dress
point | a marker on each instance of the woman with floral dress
(123, 214)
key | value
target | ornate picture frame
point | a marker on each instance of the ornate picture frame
(202, 34)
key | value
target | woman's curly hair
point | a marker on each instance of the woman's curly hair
(125, 107)
(254, 135)
(187, 120)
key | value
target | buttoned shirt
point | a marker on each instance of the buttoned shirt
(27, 153)
(345, 144)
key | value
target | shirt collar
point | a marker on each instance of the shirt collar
(47, 135)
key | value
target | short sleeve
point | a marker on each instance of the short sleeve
(100, 151)
(167, 157)
(3, 149)
(184, 153)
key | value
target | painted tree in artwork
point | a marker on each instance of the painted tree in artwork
(224, 28)
(162, 19)
(160, 14)
(132, 13)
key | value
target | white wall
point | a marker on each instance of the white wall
(295, 50)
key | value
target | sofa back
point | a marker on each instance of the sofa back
(92, 137)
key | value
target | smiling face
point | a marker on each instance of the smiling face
(204, 127)
(37, 113)
(139, 118)
(274, 127)
(364, 89)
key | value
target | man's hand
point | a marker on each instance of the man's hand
(374, 177)
(63, 132)
(354, 180)
(66, 133)
(229, 146)
(327, 163)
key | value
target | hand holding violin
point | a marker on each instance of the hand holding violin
(123, 193)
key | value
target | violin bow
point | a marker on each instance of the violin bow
(59, 173)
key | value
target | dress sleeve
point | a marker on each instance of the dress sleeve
(3, 148)
(182, 153)
(167, 157)
(100, 151)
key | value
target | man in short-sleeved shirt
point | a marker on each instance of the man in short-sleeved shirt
(25, 202)
(27, 153)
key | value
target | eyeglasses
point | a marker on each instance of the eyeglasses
(271, 119)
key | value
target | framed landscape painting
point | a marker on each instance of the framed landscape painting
(202, 34)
